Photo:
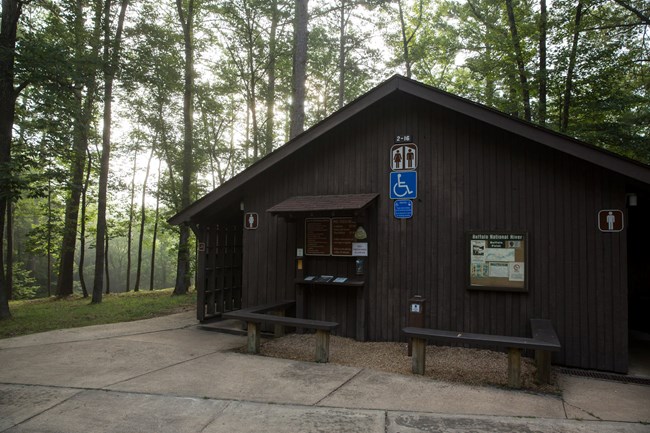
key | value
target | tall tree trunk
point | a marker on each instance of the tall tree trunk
(490, 88)
(155, 232)
(82, 230)
(81, 130)
(270, 97)
(11, 10)
(4, 295)
(10, 250)
(252, 86)
(108, 280)
(129, 236)
(49, 237)
(342, 54)
(405, 45)
(299, 75)
(543, 74)
(143, 217)
(111, 60)
(183, 265)
(564, 122)
(406, 41)
(519, 58)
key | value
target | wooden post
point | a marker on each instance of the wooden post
(514, 367)
(300, 304)
(253, 337)
(361, 314)
(543, 363)
(322, 345)
(419, 355)
(278, 330)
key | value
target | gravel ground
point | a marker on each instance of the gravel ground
(452, 364)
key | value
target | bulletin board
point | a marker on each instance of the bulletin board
(498, 261)
(329, 236)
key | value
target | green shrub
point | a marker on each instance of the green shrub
(25, 285)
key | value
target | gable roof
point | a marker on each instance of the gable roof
(397, 83)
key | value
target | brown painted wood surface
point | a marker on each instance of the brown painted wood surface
(471, 176)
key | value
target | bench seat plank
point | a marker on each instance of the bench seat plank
(254, 318)
(544, 342)
(480, 339)
(265, 308)
(280, 320)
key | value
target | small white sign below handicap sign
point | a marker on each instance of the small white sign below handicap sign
(403, 184)
(403, 209)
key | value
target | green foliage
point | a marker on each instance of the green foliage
(25, 285)
(57, 313)
(464, 46)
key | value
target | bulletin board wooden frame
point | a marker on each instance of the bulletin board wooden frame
(498, 261)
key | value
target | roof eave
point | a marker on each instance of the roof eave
(291, 146)
(563, 143)
(598, 156)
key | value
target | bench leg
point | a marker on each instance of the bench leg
(253, 337)
(322, 345)
(514, 367)
(278, 330)
(419, 354)
(543, 363)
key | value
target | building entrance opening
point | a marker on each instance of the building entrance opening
(638, 241)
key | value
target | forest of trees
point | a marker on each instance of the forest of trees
(114, 115)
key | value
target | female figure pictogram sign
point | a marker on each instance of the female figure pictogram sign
(404, 157)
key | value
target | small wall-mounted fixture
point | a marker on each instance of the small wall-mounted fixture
(360, 234)
(632, 200)
(241, 205)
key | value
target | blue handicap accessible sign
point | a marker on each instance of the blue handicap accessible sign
(403, 184)
(403, 208)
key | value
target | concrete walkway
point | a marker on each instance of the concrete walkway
(167, 375)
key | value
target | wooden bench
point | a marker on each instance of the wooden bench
(543, 342)
(255, 316)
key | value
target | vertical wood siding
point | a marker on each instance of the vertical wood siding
(471, 176)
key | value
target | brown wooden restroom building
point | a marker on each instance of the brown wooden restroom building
(491, 219)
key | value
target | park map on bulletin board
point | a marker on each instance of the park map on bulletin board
(498, 261)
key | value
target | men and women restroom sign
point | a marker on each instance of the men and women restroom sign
(403, 176)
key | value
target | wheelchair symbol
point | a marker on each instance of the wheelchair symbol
(403, 185)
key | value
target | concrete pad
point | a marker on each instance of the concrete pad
(378, 390)
(413, 422)
(607, 400)
(244, 417)
(113, 412)
(89, 364)
(95, 332)
(18, 402)
(99, 411)
(244, 377)
(573, 412)
(190, 339)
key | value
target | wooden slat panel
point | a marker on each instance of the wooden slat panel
(472, 176)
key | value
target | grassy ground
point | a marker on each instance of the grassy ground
(52, 313)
